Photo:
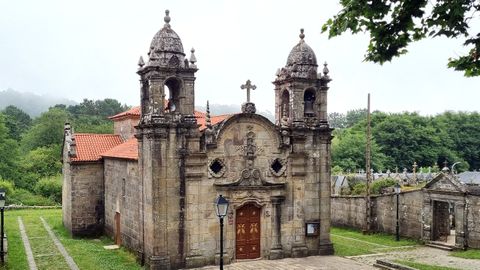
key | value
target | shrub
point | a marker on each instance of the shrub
(50, 188)
(24, 197)
(359, 189)
(8, 187)
(379, 185)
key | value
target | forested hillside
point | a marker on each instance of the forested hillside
(30, 149)
(400, 139)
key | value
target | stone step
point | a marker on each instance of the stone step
(380, 266)
(391, 265)
(440, 246)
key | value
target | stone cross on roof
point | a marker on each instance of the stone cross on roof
(248, 85)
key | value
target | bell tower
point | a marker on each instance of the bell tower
(301, 115)
(167, 80)
(301, 93)
(167, 135)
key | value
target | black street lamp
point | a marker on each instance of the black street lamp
(2, 207)
(397, 228)
(221, 208)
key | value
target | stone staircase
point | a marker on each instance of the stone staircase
(440, 245)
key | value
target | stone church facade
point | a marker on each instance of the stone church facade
(152, 184)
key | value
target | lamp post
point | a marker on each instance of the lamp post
(397, 228)
(2, 207)
(221, 208)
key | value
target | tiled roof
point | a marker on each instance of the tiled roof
(135, 112)
(214, 119)
(126, 150)
(89, 147)
(129, 149)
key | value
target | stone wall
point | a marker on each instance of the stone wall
(83, 211)
(473, 221)
(349, 211)
(410, 213)
(123, 196)
(66, 192)
(125, 127)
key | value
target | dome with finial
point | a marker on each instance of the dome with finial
(166, 48)
(301, 54)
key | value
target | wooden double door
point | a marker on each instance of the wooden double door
(248, 232)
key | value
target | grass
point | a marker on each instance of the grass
(351, 242)
(467, 254)
(87, 253)
(422, 266)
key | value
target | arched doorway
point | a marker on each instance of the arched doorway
(247, 230)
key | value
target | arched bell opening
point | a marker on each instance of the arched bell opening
(285, 105)
(308, 102)
(172, 88)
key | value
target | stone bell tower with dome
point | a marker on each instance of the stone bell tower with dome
(301, 117)
(166, 134)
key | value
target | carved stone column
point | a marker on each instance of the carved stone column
(460, 225)
(276, 251)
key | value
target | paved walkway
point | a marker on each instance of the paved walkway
(60, 247)
(28, 248)
(307, 263)
(26, 244)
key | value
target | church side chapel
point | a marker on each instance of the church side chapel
(151, 186)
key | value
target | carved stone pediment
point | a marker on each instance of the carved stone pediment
(445, 183)
(248, 178)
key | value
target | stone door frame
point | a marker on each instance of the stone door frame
(117, 229)
(269, 200)
(460, 214)
(444, 207)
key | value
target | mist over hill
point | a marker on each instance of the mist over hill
(30, 103)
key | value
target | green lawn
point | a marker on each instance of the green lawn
(467, 254)
(421, 266)
(350, 242)
(87, 253)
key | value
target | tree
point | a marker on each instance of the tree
(102, 108)
(394, 24)
(355, 116)
(407, 138)
(47, 130)
(17, 121)
(39, 163)
(8, 153)
(462, 131)
(348, 152)
(336, 120)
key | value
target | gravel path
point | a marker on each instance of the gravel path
(422, 254)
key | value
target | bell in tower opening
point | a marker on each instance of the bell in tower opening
(309, 100)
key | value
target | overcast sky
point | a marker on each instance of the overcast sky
(90, 49)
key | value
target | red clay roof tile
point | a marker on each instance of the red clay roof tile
(135, 112)
(90, 146)
(129, 149)
(126, 150)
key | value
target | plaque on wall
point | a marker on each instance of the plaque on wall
(312, 228)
